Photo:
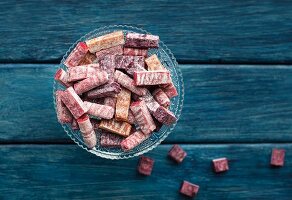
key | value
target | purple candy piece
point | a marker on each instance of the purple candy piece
(130, 63)
(108, 90)
(108, 139)
(138, 40)
(164, 116)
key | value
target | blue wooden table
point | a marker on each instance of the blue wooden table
(236, 61)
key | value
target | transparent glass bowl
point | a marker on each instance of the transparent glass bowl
(169, 61)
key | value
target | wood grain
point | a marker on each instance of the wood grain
(195, 30)
(68, 172)
(223, 104)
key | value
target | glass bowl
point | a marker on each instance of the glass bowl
(169, 61)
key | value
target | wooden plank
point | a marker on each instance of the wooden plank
(223, 103)
(199, 31)
(66, 171)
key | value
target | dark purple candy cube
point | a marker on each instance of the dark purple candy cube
(189, 189)
(145, 165)
(177, 153)
(220, 165)
(278, 157)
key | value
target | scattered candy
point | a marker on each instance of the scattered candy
(145, 165)
(189, 189)
(76, 55)
(122, 105)
(113, 126)
(106, 41)
(143, 117)
(101, 111)
(138, 40)
(154, 63)
(161, 97)
(135, 52)
(62, 77)
(278, 157)
(110, 140)
(63, 114)
(220, 165)
(133, 140)
(177, 153)
(157, 77)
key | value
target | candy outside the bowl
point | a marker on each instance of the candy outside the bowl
(220, 165)
(110, 90)
(189, 189)
(278, 157)
(145, 165)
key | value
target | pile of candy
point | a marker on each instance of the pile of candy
(112, 85)
(220, 165)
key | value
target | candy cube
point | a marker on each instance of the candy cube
(142, 117)
(90, 139)
(135, 52)
(122, 105)
(76, 55)
(107, 90)
(145, 165)
(117, 127)
(177, 153)
(110, 101)
(101, 111)
(161, 97)
(138, 40)
(220, 165)
(62, 77)
(133, 140)
(110, 140)
(85, 125)
(189, 189)
(73, 103)
(278, 157)
(116, 50)
(164, 116)
(154, 63)
(151, 77)
(88, 59)
(81, 72)
(89, 83)
(125, 81)
(170, 90)
(130, 63)
(63, 114)
(105, 41)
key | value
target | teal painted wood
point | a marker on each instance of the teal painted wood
(198, 31)
(223, 103)
(68, 172)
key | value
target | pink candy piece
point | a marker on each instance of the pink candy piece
(63, 114)
(164, 116)
(101, 111)
(161, 97)
(170, 90)
(107, 63)
(278, 157)
(82, 72)
(87, 84)
(90, 140)
(110, 101)
(138, 40)
(145, 165)
(76, 55)
(62, 77)
(177, 153)
(151, 77)
(220, 165)
(107, 90)
(108, 139)
(133, 140)
(151, 104)
(189, 189)
(73, 103)
(142, 117)
(116, 50)
(125, 81)
(130, 63)
(135, 52)
(85, 125)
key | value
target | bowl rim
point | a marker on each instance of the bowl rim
(180, 102)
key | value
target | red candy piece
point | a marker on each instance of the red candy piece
(82, 72)
(161, 97)
(85, 125)
(170, 90)
(177, 153)
(63, 114)
(101, 111)
(130, 63)
(108, 139)
(76, 55)
(157, 77)
(189, 189)
(164, 116)
(135, 52)
(145, 165)
(138, 40)
(133, 140)
(62, 77)
(220, 165)
(278, 157)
